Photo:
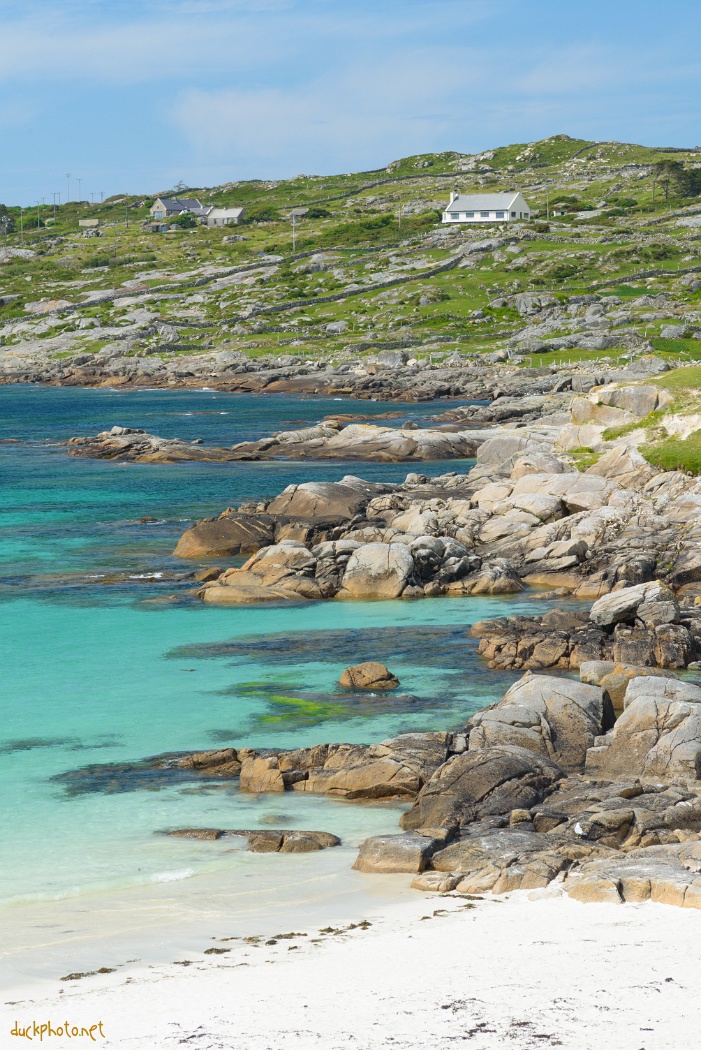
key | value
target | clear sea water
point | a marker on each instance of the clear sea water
(96, 669)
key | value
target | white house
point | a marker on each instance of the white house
(486, 207)
(224, 216)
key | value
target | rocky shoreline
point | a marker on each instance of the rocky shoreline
(331, 439)
(544, 787)
(591, 786)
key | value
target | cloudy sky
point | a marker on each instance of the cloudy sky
(135, 95)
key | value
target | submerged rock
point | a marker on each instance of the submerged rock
(265, 841)
(370, 675)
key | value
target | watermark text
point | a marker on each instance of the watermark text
(41, 1030)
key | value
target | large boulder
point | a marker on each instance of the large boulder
(320, 499)
(215, 537)
(577, 491)
(397, 768)
(481, 783)
(653, 603)
(639, 400)
(501, 861)
(377, 570)
(555, 717)
(658, 734)
(625, 466)
(410, 852)
(369, 675)
(667, 874)
(495, 577)
(281, 572)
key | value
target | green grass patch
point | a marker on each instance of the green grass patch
(584, 457)
(676, 454)
(652, 419)
(681, 379)
(692, 347)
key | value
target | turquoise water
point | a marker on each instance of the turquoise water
(95, 671)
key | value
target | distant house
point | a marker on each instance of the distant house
(298, 213)
(486, 207)
(169, 207)
(224, 216)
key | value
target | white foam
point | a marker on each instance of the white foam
(173, 876)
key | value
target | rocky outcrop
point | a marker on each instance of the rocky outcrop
(328, 440)
(568, 640)
(227, 535)
(555, 717)
(658, 734)
(482, 783)
(377, 570)
(370, 675)
(650, 604)
(283, 572)
(129, 445)
(669, 874)
(382, 854)
(491, 811)
(363, 441)
(264, 841)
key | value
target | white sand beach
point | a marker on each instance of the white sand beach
(434, 971)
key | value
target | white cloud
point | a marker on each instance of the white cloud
(403, 104)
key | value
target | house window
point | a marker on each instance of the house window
(484, 214)
(455, 215)
(513, 214)
(501, 215)
(469, 215)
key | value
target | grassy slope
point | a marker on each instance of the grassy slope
(364, 228)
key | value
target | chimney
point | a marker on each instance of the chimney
(453, 195)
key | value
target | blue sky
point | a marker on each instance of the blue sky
(135, 96)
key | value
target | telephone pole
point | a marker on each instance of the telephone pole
(68, 177)
(79, 181)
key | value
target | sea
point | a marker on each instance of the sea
(106, 658)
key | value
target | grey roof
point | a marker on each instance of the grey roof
(482, 201)
(180, 205)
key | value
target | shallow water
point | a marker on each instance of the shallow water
(97, 672)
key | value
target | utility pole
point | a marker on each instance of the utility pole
(294, 231)
(54, 196)
(126, 209)
(68, 176)
(79, 181)
(21, 225)
(400, 216)
(547, 201)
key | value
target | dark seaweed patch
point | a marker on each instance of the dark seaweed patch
(150, 774)
(444, 647)
(36, 742)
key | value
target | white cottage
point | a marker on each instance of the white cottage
(224, 216)
(486, 207)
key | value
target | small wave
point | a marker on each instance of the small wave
(173, 876)
(147, 576)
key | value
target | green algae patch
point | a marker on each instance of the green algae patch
(291, 711)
